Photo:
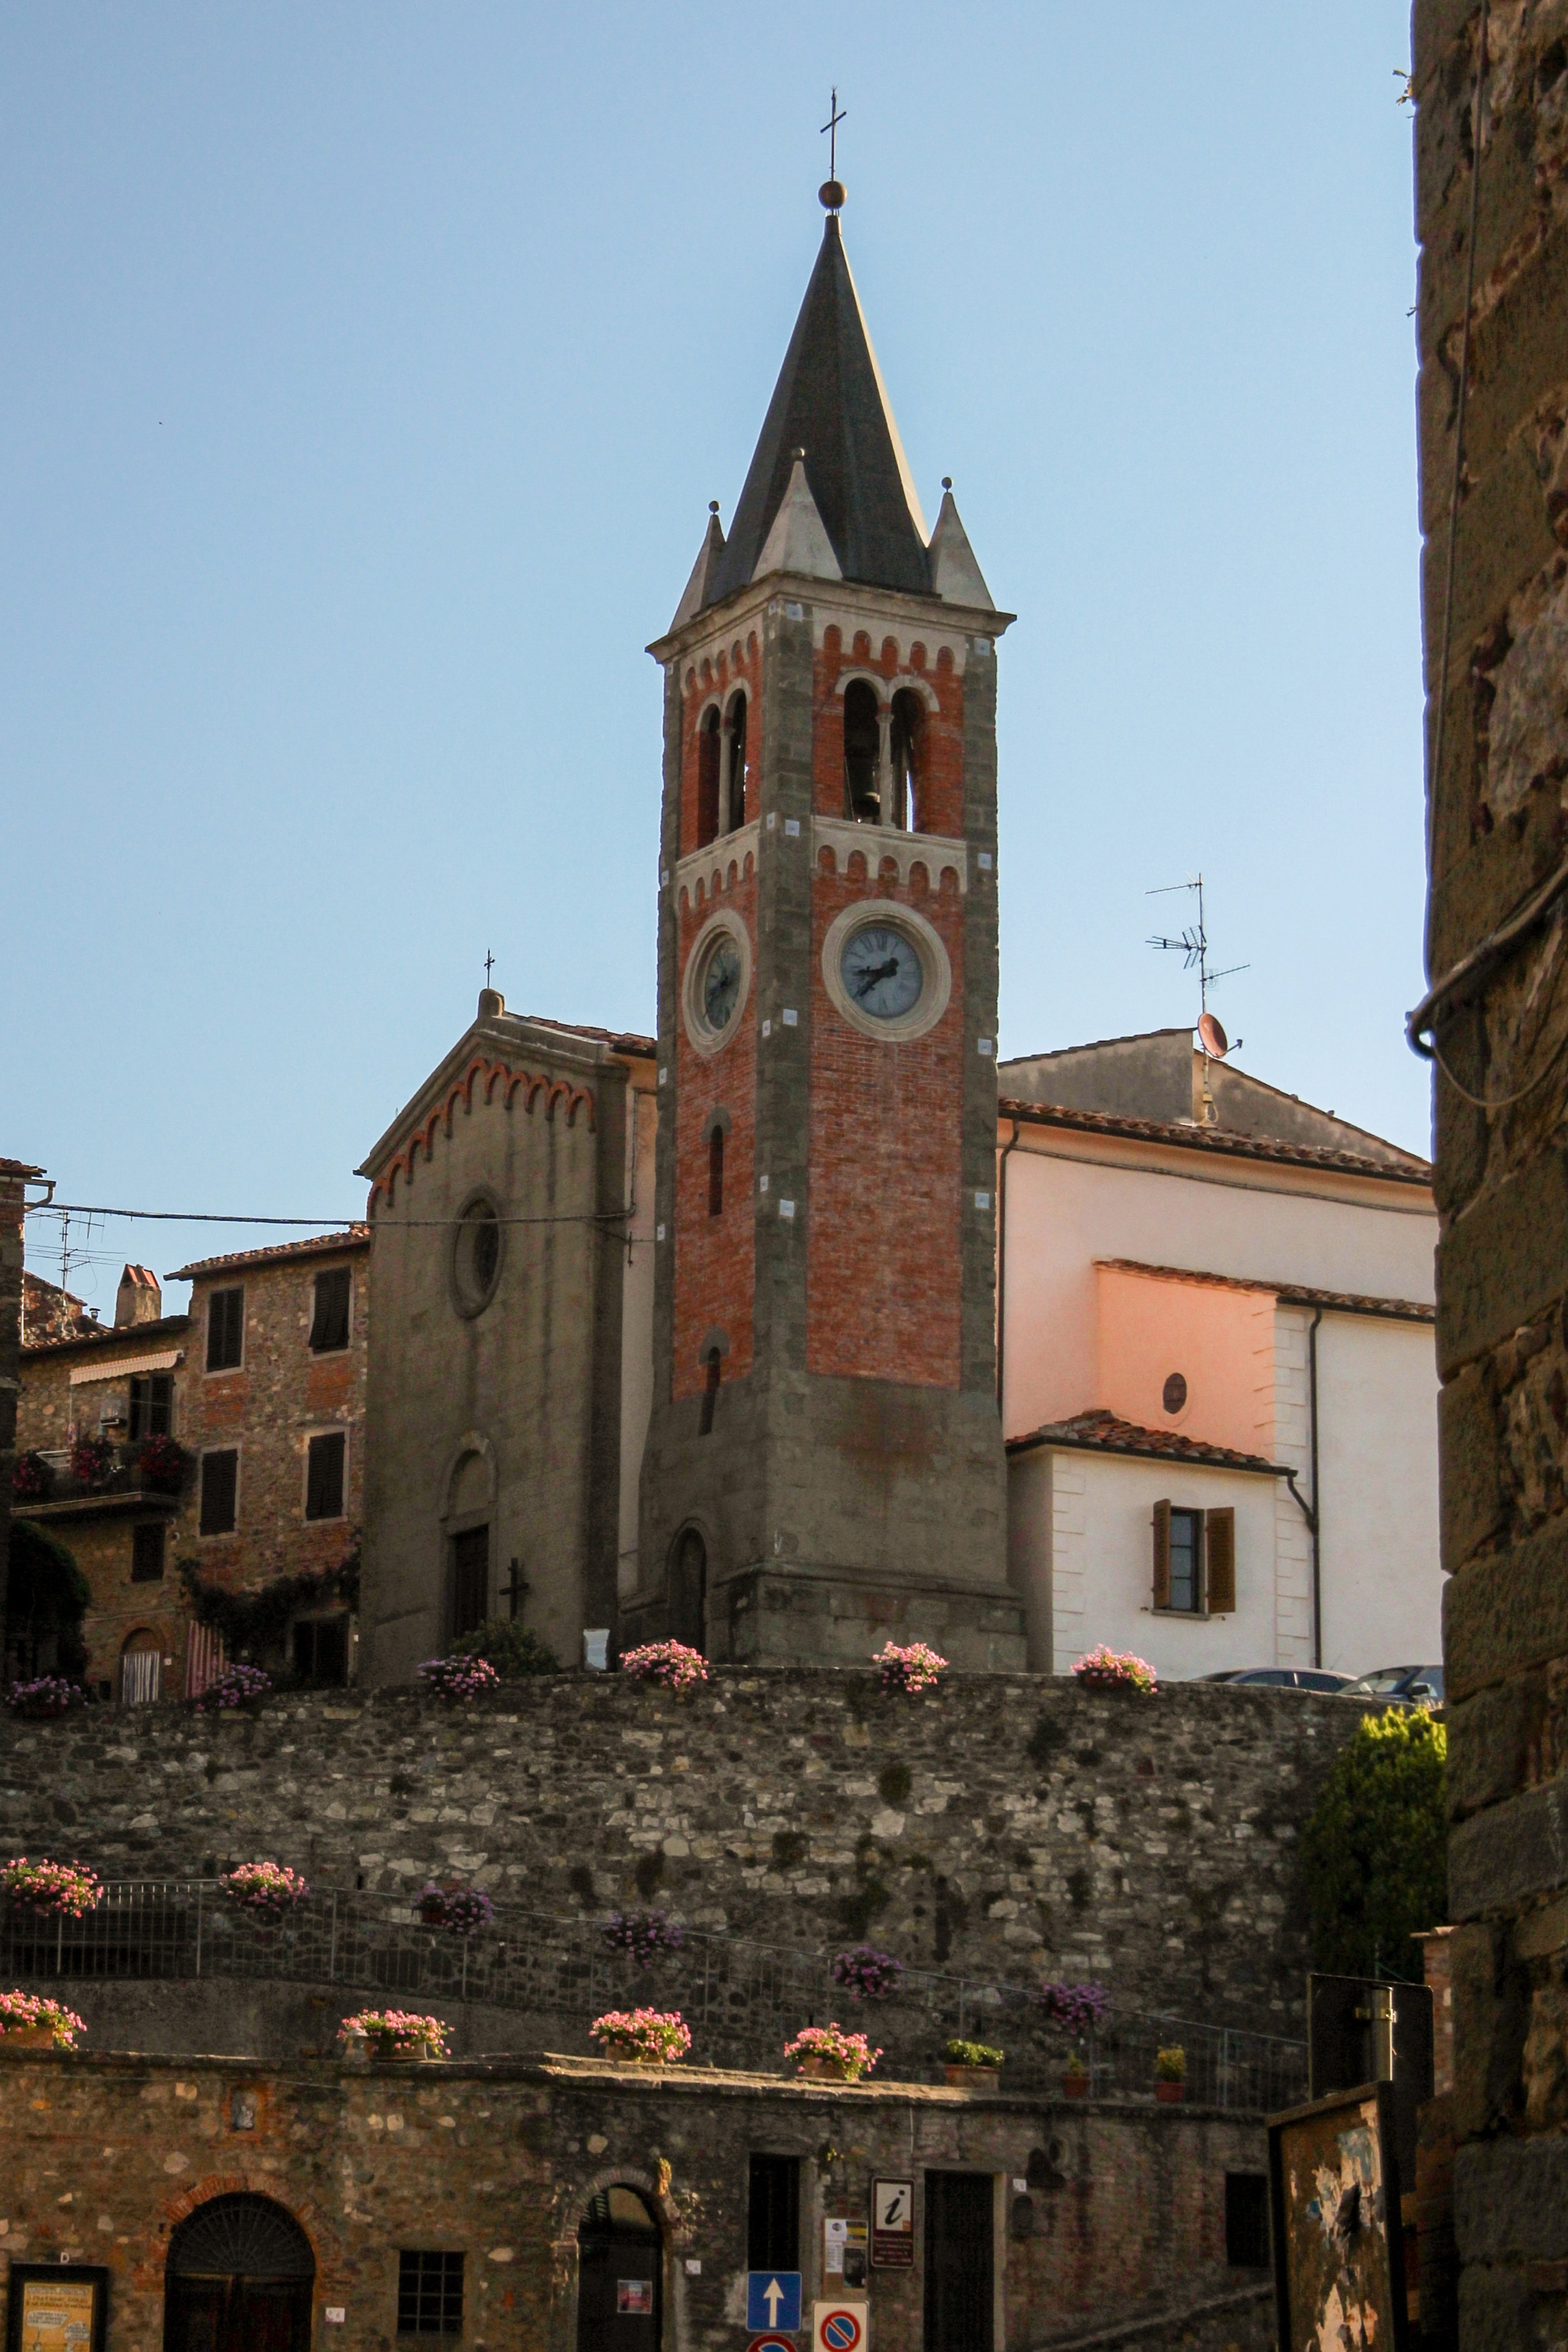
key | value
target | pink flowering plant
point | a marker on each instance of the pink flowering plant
(1107, 1669)
(32, 1480)
(459, 1910)
(266, 1889)
(45, 1696)
(163, 1463)
(653, 2037)
(848, 2053)
(235, 1687)
(67, 1890)
(866, 1974)
(397, 2033)
(642, 1935)
(914, 1667)
(92, 1461)
(26, 2012)
(459, 1679)
(672, 1663)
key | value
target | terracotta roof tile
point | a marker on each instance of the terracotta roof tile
(1292, 1293)
(356, 1237)
(1225, 1141)
(135, 1336)
(619, 1041)
(1102, 1433)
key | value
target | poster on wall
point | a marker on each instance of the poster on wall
(892, 2225)
(631, 2296)
(56, 2308)
(1333, 2178)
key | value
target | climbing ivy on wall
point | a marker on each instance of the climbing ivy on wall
(257, 1621)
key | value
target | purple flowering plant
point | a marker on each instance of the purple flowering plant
(673, 1663)
(1077, 2007)
(459, 1910)
(236, 1686)
(459, 1679)
(45, 1696)
(866, 1974)
(642, 1934)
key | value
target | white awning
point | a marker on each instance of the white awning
(124, 1365)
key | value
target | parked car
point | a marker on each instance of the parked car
(1401, 1685)
(1307, 1678)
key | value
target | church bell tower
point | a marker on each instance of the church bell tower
(824, 1466)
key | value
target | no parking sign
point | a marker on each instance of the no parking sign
(839, 2327)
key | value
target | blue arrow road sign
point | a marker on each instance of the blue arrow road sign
(772, 2299)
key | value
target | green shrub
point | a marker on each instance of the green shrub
(971, 2053)
(1374, 1851)
(512, 1648)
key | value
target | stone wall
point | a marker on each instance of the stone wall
(1094, 2214)
(1002, 1827)
(1491, 86)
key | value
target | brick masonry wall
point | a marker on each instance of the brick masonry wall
(1495, 632)
(105, 2157)
(715, 1257)
(1004, 1827)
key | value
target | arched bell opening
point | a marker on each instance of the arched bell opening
(620, 2261)
(688, 1587)
(906, 745)
(709, 764)
(862, 746)
(239, 2278)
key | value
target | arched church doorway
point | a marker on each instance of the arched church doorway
(619, 2259)
(238, 2279)
(689, 1590)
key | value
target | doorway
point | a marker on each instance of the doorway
(238, 2279)
(960, 2299)
(619, 2289)
(688, 1592)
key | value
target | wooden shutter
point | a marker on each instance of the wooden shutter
(1219, 1546)
(1162, 1555)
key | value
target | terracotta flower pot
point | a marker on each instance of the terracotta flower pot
(977, 2077)
(1074, 2087)
(388, 2053)
(823, 2070)
(28, 2037)
(1170, 2094)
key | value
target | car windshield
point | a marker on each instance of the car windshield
(1312, 1679)
(1387, 1678)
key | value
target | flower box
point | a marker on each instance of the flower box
(1107, 1669)
(914, 1666)
(234, 1689)
(31, 2021)
(670, 1663)
(266, 1889)
(395, 2035)
(1170, 2094)
(643, 2037)
(459, 1679)
(828, 2053)
(971, 2063)
(1074, 2087)
(971, 2077)
(63, 1890)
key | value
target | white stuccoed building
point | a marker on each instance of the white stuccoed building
(1218, 1384)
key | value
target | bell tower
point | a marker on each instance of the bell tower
(824, 1464)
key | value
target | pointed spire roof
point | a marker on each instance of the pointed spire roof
(798, 540)
(954, 573)
(694, 595)
(830, 401)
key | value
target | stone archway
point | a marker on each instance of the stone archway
(240, 2277)
(620, 2264)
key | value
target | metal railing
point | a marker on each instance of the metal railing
(742, 1999)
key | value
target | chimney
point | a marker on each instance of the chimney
(138, 1299)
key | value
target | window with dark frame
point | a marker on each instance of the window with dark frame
(152, 1405)
(225, 1330)
(1194, 1560)
(429, 2293)
(220, 1492)
(147, 1547)
(716, 1172)
(713, 1363)
(1186, 1560)
(1246, 2220)
(324, 1459)
(772, 2214)
(329, 1312)
(321, 1651)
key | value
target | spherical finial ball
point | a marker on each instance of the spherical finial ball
(832, 194)
(713, 506)
(947, 481)
(799, 456)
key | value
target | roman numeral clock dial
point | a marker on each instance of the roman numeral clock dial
(881, 971)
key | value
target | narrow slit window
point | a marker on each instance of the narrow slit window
(907, 743)
(715, 1372)
(708, 746)
(220, 1490)
(330, 1320)
(735, 814)
(716, 1172)
(324, 1463)
(225, 1330)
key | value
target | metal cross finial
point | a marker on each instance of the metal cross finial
(489, 966)
(835, 116)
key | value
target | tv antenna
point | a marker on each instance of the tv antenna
(1193, 946)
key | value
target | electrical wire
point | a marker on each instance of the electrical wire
(216, 1217)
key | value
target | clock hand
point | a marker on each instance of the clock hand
(878, 972)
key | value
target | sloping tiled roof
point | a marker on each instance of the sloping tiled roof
(356, 1237)
(1292, 1293)
(18, 1167)
(619, 1041)
(1102, 1433)
(134, 1335)
(1223, 1141)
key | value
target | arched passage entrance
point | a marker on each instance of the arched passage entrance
(238, 2279)
(619, 2259)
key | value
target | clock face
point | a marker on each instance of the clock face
(881, 971)
(720, 982)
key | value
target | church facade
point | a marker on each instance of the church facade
(697, 1335)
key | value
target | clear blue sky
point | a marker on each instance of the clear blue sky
(366, 374)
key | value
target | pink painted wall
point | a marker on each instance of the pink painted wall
(1220, 1340)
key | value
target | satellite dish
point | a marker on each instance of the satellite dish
(1215, 1040)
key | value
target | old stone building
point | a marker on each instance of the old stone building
(1491, 90)
(512, 1205)
(260, 1387)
